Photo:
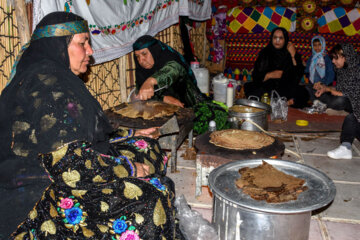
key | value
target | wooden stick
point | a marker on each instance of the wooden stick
(204, 45)
(122, 78)
(22, 21)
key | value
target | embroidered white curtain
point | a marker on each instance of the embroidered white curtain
(116, 24)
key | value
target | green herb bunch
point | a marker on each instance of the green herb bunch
(207, 111)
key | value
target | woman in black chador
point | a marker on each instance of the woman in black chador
(64, 173)
(279, 67)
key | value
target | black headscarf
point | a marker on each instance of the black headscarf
(46, 105)
(162, 54)
(348, 78)
(271, 58)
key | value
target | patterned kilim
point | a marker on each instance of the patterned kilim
(243, 49)
(260, 19)
(344, 21)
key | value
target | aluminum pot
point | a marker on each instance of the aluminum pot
(238, 119)
(237, 216)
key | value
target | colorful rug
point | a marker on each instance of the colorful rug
(260, 19)
(342, 21)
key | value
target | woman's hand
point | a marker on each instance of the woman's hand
(142, 170)
(291, 49)
(149, 132)
(320, 90)
(173, 101)
(147, 89)
(273, 74)
(317, 85)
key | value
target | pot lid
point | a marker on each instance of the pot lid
(253, 103)
(321, 189)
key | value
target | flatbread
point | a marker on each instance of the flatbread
(237, 139)
(265, 182)
(147, 110)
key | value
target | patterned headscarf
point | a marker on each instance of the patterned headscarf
(66, 29)
(317, 61)
(348, 77)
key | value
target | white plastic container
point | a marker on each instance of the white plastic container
(219, 86)
(202, 79)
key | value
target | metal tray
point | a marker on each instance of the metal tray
(321, 189)
(183, 115)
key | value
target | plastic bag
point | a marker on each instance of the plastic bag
(317, 107)
(279, 107)
(192, 224)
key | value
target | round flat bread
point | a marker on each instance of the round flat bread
(147, 110)
(237, 139)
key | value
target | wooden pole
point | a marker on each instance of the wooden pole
(122, 78)
(22, 21)
(203, 60)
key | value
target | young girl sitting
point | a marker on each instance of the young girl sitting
(319, 66)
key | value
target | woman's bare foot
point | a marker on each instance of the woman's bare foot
(290, 102)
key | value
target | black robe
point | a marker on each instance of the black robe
(59, 150)
(271, 59)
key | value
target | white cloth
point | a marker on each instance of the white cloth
(116, 24)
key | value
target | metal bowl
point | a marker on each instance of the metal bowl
(321, 189)
(253, 103)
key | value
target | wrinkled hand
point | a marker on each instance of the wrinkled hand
(147, 89)
(142, 170)
(173, 101)
(149, 132)
(291, 49)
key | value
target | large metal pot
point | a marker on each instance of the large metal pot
(238, 120)
(238, 216)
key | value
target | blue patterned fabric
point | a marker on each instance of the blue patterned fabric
(58, 30)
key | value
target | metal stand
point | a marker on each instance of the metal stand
(173, 142)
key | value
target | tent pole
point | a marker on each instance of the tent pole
(22, 21)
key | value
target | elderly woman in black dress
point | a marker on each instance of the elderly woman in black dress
(65, 174)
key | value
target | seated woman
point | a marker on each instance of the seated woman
(64, 172)
(321, 74)
(163, 74)
(319, 66)
(279, 67)
(347, 68)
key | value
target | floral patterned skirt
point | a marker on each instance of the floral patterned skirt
(97, 196)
